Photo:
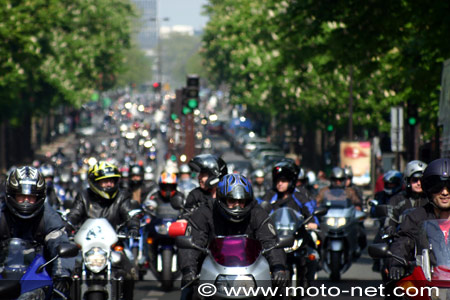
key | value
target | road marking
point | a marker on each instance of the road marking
(155, 293)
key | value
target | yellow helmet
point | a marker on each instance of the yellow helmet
(103, 170)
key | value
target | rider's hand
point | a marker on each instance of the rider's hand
(396, 272)
(62, 284)
(133, 233)
(280, 278)
(312, 225)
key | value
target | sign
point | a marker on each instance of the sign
(397, 144)
(357, 155)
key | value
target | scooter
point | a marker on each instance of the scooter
(341, 229)
(303, 257)
(22, 269)
(232, 262)
(430, 277)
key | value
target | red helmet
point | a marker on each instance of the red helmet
(168, 184)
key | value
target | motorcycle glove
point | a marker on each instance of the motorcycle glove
(396, 272)
(62, 284)
(133, 233)
(281, 278)
(36, 294)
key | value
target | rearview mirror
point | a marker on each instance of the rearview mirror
(68, 250)
(135, 212)
(176, 202)
(320, 211)
(285, 241)
(380, 250)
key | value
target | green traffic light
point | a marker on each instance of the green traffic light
(173, 117)
(412, 121)
(330, 127)
(192, 103)
(186, 110)
(173, 157)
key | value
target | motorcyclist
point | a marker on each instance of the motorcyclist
(436, 185)
(104, 199)
(338, 191)
(349, 182)
(136, 183)
(283, 192)
(392, 186)
(234, 213)
(210, 169)
(186, 184)
(48, 171)
(26, 215)
(302, 184)
(258, 182)
(337, 182)
(413, 196)
(166, 193)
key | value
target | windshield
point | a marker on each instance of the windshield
(15, 257)
(286, 220)
(235, 251)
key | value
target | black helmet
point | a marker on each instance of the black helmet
(25, 181)
(338, 173)
(235, 187)
(103, 170)
(392, 182)
(136, 170)
(436, 176)
(288, 170)
(211, 164)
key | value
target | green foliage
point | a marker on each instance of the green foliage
(57, 52)
(297, 59)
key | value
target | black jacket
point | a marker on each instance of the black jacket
(90, 205)
(402, 203)
(46, 228)
(411, 234)
(301, 203)
(205, 224)
(197, 198)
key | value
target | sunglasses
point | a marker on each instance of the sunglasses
(415, 179)
(439, 186)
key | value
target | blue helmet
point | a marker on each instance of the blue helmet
(392, 182)
(235, 188)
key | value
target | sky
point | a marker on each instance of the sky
(182, 12)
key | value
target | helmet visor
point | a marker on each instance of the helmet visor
(439, 186)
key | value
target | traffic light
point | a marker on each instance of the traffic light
(192, 91)
(157, 87)
(412, 121)
(330, 128)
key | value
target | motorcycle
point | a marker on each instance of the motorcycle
(22, 269)
(100, 276)
(303, 257)
(234, 262)
(162, 249)
(430, 271)
(341, 230)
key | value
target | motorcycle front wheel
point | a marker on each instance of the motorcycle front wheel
(335, 265)
(166, 273)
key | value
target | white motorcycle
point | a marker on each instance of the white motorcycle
(98, 279)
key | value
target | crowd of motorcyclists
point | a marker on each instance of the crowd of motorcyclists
(49, 202)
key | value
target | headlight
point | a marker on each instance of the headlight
(336, 222)
(163, 229)
(330, 222)
(95, 259)
(225, 282)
